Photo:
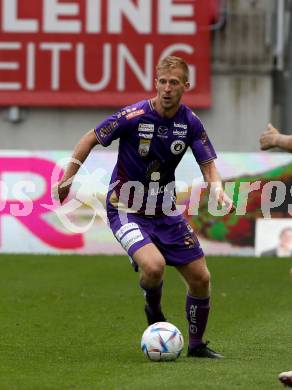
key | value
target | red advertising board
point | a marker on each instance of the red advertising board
(99, 52)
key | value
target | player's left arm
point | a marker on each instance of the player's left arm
(212, 177)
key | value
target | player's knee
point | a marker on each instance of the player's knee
(154, 269)
(206, 277)
(201, 281)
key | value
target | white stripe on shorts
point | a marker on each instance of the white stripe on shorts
(125, 228)
(131, 238)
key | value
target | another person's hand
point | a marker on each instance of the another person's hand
(269, 137)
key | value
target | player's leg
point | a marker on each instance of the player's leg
(132, 232)
(151, 264)
(180, 247)
(197, 278)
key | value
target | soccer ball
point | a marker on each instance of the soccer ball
(162, 341)
(286, 378)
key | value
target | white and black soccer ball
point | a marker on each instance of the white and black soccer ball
(286, 378)
(162, 341)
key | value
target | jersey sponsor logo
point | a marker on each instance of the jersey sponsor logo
(155, 176)
(160, 190)
(125, 228)
(146, 136)
(193, 319)
(124, 112)
(108, 129)
(131, 238)
(177, 146)
(147, 127)
(180, 125)
(180, 133)
(204, 137)
(154, 166)
(162, 132)
(144, 147)
(134, 114)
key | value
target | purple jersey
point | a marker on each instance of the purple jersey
(150, 148)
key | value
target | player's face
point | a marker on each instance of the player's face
(170, 85)
(286, 239)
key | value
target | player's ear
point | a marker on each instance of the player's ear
(155, 83)
(187, 85)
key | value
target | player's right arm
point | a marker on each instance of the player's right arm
(212, 177)
(104, 133)
(271, 138)
(80, 153)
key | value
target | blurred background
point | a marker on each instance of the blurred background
(245, 58)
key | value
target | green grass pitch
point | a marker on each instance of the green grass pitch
(75, 322)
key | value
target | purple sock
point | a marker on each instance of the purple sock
(153, 297)
(197, 310)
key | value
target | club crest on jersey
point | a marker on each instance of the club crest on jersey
(144, 147)
(177, 146)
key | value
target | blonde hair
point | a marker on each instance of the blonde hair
(171, 62)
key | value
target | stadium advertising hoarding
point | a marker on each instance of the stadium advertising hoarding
(273, 237)
(99, 52)
(32, 222)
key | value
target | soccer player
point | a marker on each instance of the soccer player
(153, 137)
(272, 138)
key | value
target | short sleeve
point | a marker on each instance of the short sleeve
(110, 129)
(201, 146)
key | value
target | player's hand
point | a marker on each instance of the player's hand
(61, 190)
(269, 137)
(224, 200)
